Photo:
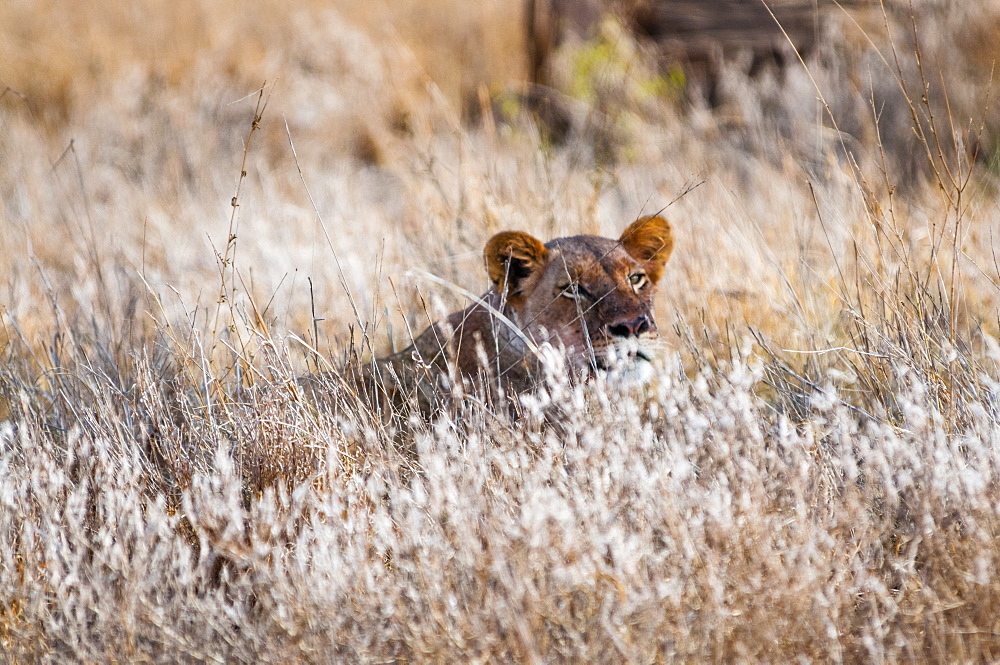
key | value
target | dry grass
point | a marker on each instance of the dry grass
(813, 475)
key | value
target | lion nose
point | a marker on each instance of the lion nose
(633, 328)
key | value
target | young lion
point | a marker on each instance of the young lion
(590, 298)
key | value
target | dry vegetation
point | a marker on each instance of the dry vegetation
(813, 476)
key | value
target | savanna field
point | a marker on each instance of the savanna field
(202, 202)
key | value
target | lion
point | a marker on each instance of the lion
(587, 297)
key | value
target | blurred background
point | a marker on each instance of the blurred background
(808, 150)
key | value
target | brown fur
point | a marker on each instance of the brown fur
(589, 296)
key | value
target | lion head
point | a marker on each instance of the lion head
(589, 295)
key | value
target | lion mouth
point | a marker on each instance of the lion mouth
(614, 358)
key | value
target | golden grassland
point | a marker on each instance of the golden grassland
(202, 201)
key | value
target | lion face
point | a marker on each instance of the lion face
(589, 295)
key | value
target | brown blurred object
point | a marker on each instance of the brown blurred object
(547, 22)
(701, 35)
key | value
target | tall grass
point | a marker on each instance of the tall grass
(812, 475)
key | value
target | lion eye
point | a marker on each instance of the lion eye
(638, 280)
(574, 292)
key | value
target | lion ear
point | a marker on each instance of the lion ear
(511, 256)
(649, 240)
